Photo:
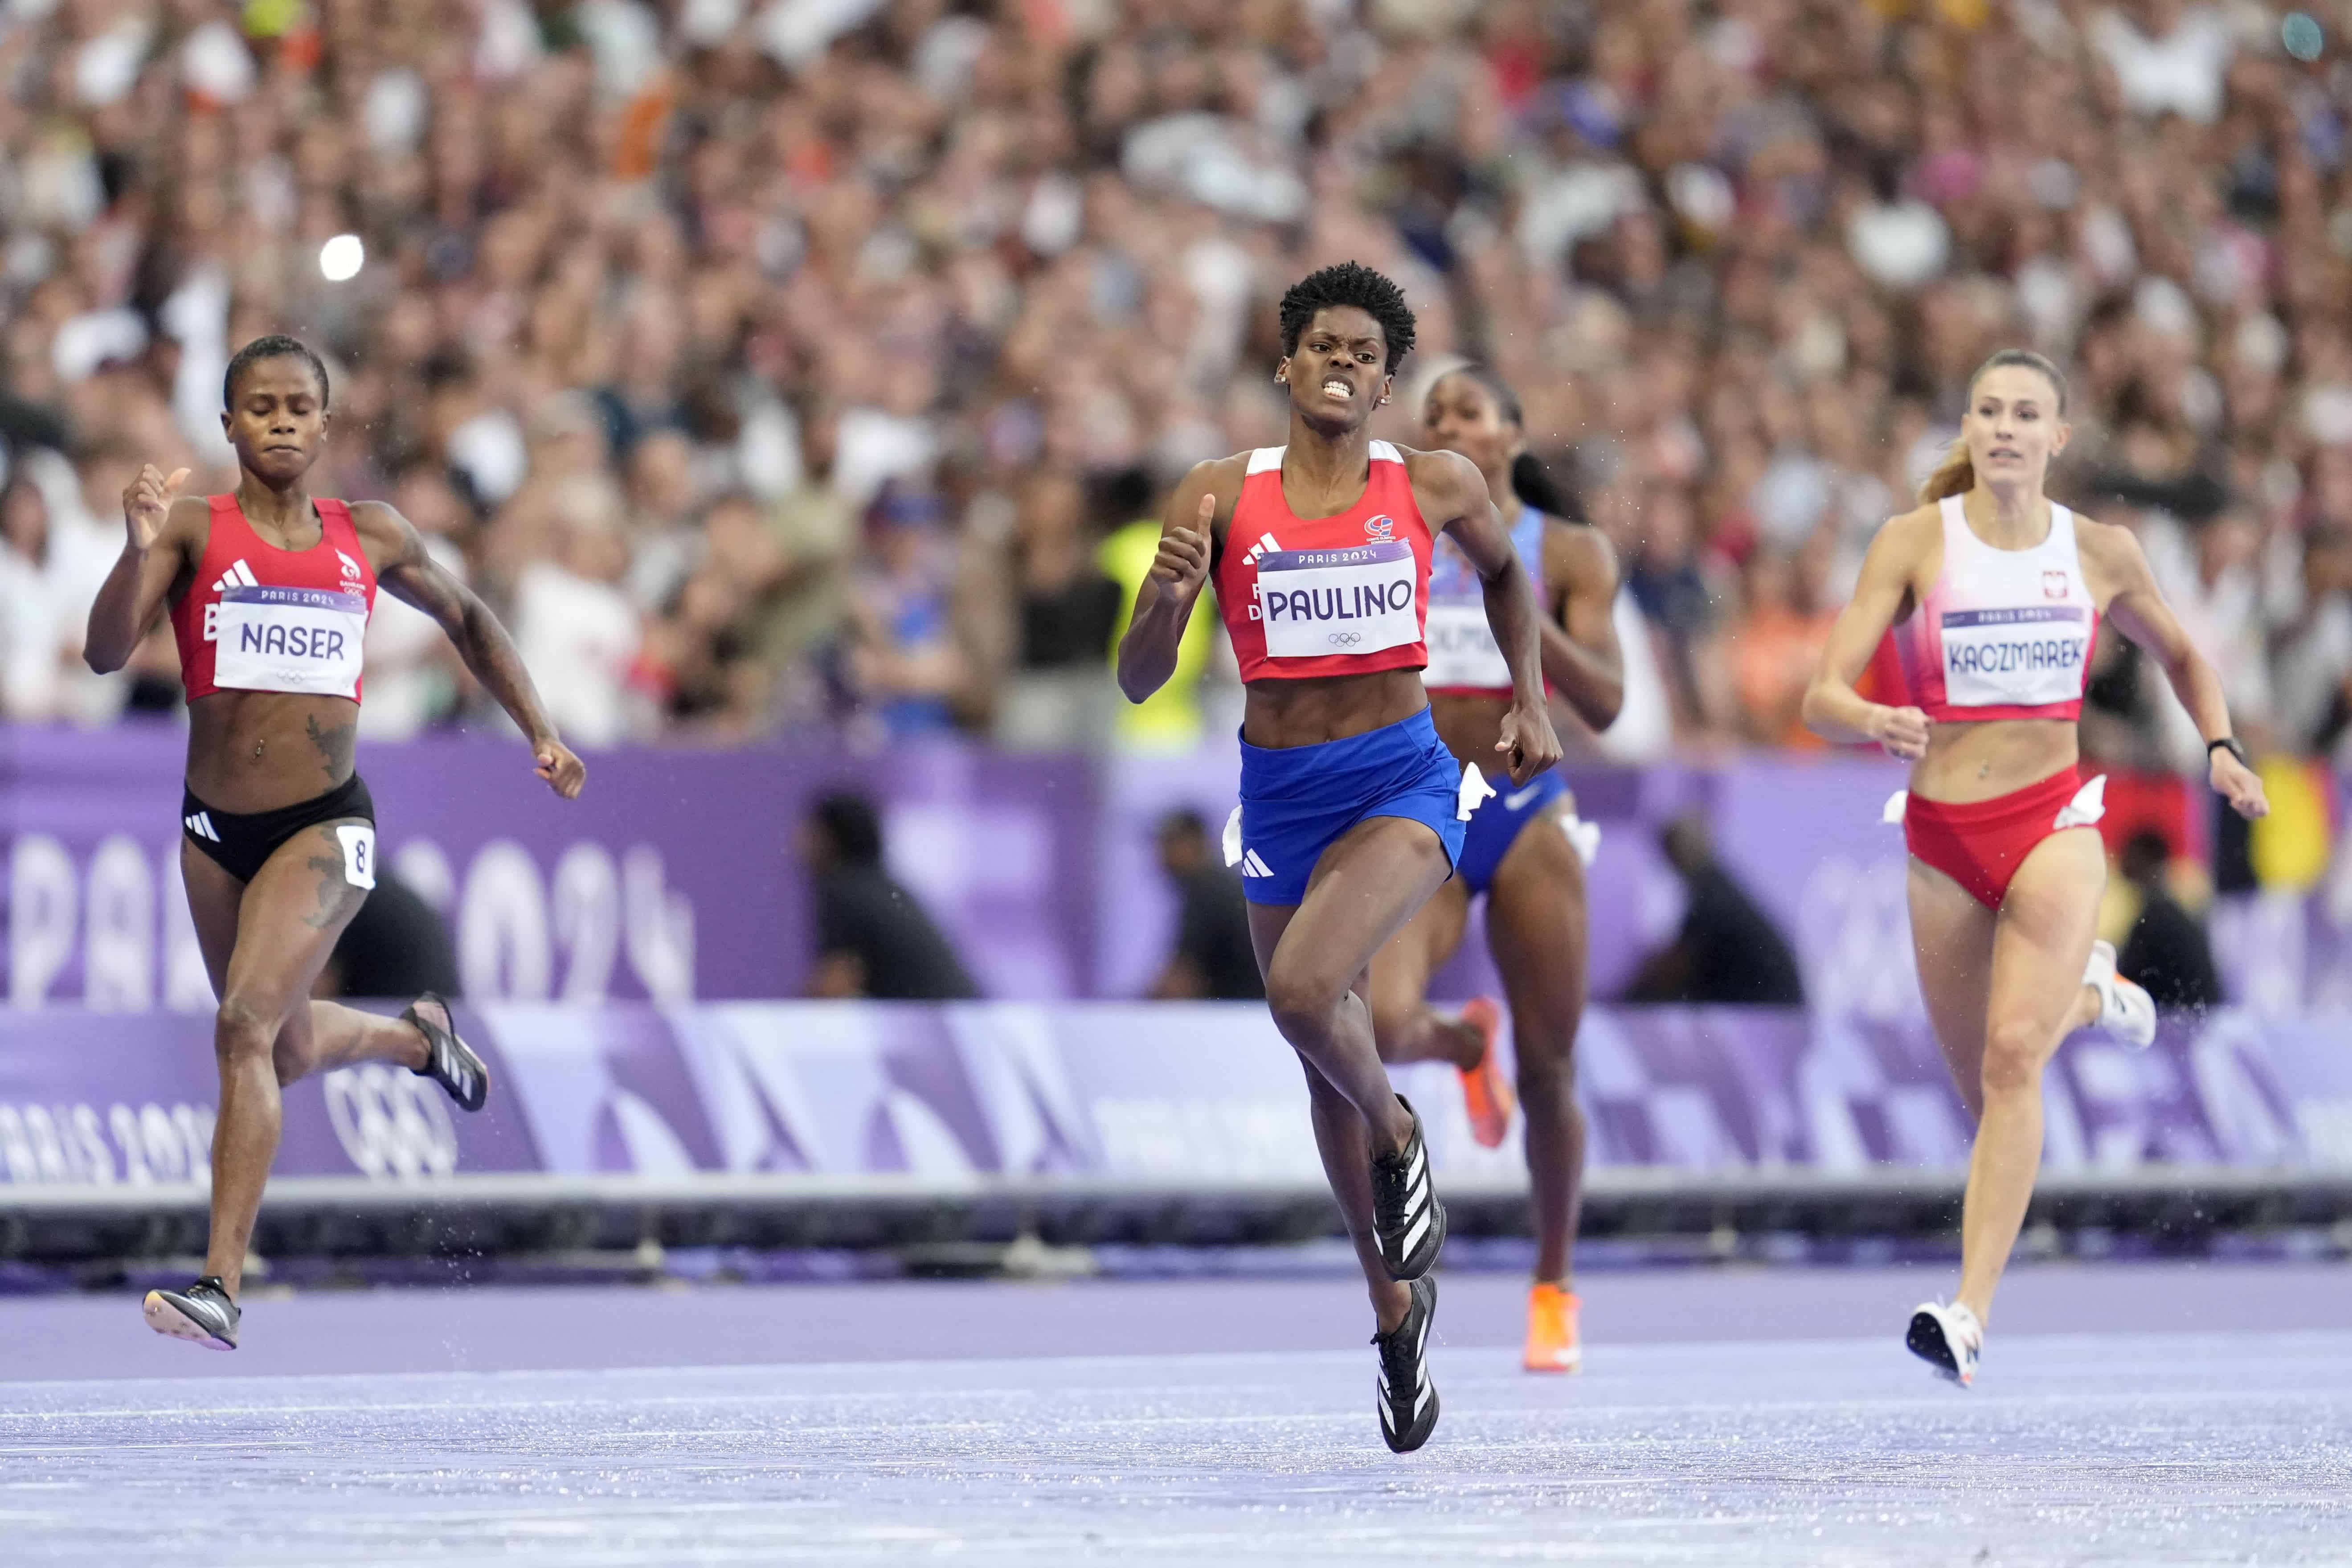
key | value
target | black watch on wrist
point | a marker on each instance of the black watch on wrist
(2230, 744)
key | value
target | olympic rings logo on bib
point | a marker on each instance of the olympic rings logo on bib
(290, 639)
(2024, 657)
(1371, 589)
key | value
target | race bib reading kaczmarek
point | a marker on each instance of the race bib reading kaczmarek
(1355, 599)
(2016, 658)
(290, 639)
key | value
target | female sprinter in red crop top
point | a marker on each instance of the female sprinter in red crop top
(1998, 595)
(270, 590)
(1352, 807)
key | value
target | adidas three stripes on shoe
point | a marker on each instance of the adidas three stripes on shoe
(1407, 1219)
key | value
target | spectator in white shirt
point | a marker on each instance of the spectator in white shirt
(575, 626)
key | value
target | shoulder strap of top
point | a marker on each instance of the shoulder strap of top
(2062, 528)
(1266, 460)
(1384, 452)
(1956, 533)
(335, 514)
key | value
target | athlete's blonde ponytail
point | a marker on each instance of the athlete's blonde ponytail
(1956, 475)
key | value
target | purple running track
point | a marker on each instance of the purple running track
(2139, 1413)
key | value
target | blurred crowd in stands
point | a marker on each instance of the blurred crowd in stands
(777, 361)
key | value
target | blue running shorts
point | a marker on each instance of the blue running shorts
(1295, 801)
(1494, 826)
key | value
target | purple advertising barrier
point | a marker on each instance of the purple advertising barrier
(1204, 1094)
(128, 1099)
(675, 876)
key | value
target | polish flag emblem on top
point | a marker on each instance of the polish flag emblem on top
(2053, 584)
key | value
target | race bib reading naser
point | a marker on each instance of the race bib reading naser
(290, 639)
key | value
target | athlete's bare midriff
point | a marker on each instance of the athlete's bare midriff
(258, 751)
(1969, 761)
(1279, 714)
(1468, 723)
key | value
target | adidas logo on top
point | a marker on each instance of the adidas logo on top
(1249, 557)
(239, 575)
(1254, 867)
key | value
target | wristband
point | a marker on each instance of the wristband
(2230, 743)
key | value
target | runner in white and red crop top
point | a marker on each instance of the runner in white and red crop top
(1351, 808)
(270, 590)
(1998, 594)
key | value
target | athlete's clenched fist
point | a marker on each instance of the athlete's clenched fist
(1183, 558)
(148, 501)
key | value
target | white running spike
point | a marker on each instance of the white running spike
(1949, 1338)
(2126, 1012)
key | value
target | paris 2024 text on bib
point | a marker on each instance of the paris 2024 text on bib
(302, 640)
(1356, 599)
(2016, 658)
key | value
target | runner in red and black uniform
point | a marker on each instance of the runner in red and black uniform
(1352, 809)
(269, 590)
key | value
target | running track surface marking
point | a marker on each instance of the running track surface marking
(2127, 1415)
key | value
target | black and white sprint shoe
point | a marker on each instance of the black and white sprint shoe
(448, 1060)
(1408, 1400)
(203, 1313)
(1407, 1219)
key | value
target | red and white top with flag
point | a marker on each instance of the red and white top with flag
(260, 619)
(1344, 594)
(2003, 634)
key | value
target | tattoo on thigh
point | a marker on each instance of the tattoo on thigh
(335, 892)
(334, 746)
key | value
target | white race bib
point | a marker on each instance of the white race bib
(1463, 650)
(290, 639)
(1358, 599)
(2020, 658)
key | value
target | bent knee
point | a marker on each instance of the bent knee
(1302, 1002)
(1543, 1070)
(246, 1025)
(2014, 1057)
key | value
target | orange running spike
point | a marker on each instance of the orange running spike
(1553, 1344)
(1486, 1092)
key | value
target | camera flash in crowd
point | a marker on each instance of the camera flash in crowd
(341, 259)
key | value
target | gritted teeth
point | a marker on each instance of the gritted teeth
(1338, 388)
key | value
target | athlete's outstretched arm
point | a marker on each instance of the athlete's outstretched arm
(1581, 657)
(1147, 652)
(161, 529)
(1833, 709)
(2139, 611)
(1449, 486)
(410, 574)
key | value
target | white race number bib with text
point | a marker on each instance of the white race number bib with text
(290, 639)
(2020, 658)
(1356, 599)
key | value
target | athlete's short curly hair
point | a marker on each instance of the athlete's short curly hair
(1349, 283)
(276, 345)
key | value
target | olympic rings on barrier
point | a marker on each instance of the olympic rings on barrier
(394, 1125)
